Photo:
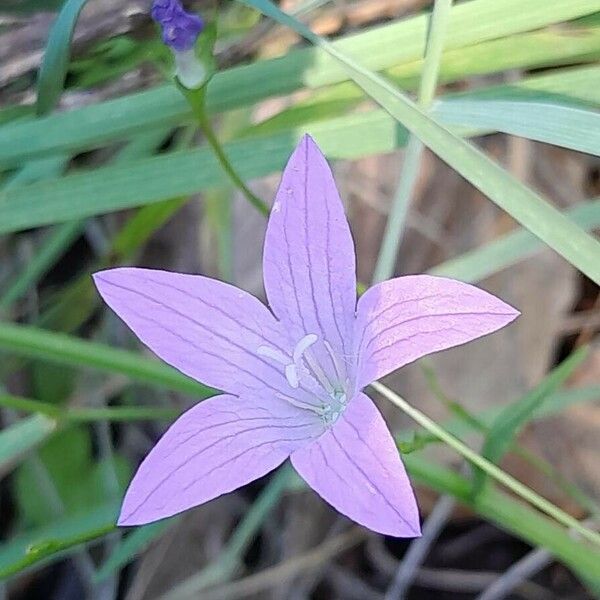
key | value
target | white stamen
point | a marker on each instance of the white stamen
(303, 345)
(276, 355)
(291, 374)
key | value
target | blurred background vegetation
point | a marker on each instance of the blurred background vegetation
(102, 164)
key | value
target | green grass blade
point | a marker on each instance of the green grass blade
(87, 415)
(50, 251)
(55, 63)
(36, 170)
(394, 229)
(509, 514)
(22, 437)
(566, 126)
(63, 349)
(516, 415)
(511, 248)
(523, 204)
(382, 47)
(38, 547)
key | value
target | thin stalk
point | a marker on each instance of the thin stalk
(214, 143)
(492, 470)
(197, 102)
(384, 268)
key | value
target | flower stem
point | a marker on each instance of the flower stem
(196, 99)
(211, 138)
(492, 470)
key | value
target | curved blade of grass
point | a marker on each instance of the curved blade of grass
(523, 204)
(381, 47)
(36, 548)
(22, 437)
(573, 86)
(511, 248)
(63, 349)
(515, 416)
(53, 72)
(566, 126)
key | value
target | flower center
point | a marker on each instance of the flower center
(328, 386)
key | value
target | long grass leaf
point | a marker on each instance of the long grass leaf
(566, 126)
(58, 348)
(515, 416)
(381, 47)
(523, 204)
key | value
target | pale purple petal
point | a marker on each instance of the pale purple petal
(403, 319)
(355, 466)
(207, 329)
(215, 447)
(309, 262)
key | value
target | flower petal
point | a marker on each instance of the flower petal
(309, 263)
(355, 466)
(403, 319)
(207, 329)
(215, 447)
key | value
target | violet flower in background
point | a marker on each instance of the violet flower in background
(295, 373)
(180, 31)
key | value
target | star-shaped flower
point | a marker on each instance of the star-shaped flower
(295, 373)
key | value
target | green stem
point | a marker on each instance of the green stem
(211, 138)
(196, 99)
(384, 268)
(492, 470)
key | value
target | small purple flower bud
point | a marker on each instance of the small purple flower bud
(180, 29)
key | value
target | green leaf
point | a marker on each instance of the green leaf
(53, 541)
(509, 249)
(380, 47)
(515, 416)
(566, 126)
(63, 349)
(22, 437)
(580, 85)
(523, 204)
(55, 63)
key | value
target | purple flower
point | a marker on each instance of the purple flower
(294, 376)
(180, 29)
